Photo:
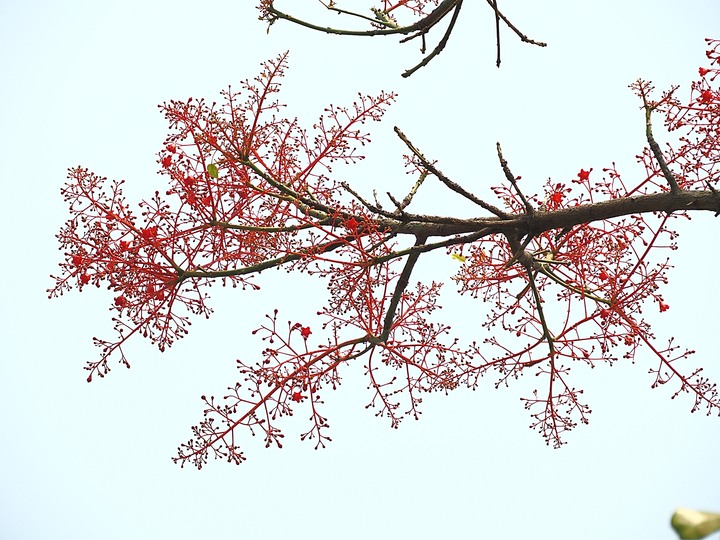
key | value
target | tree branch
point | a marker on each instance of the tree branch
(449, 183)
(655, 147)
(419, 28)
(441, 44)
(400, 287)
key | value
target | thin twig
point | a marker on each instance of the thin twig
(497, 31)
(441, 44)
(345, 12)
(423, 25)
(449, 183)
(511, 178)
(397, 203)
(541, 314)
(370, 206)
(413, 190)
(543, 266)
(512, 27)
(424, 248)
(419, 28)
(655, 147)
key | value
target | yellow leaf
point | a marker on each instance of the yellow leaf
(692, 525)
(458, 257)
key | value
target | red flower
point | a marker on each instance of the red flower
(84, 279)
(706, 96)
(171, 148)
(584, 175)
(77, 259)
(603, 275)
(351, 224)
(663, 306)
(120, 301)
(166, 161)
(297, 396)
(703, 71)
(149, 233)
(124, 245)
(556, 198)
(305, 332)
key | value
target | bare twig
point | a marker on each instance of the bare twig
(423, 25)
(385, 25)
(655, 147)
(397, 203)
(339, 11)
(512, 27)
(413, 190)
(441, 44)
(370, 206)
(497, 30)
(511, 178)
(449, 183)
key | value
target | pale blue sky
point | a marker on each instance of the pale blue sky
(80, 85)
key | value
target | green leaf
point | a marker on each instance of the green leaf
(212, 170)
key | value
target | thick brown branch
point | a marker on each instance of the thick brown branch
(539, 221)
(526, 225)
(400, 287)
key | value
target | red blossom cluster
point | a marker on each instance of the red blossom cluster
(583, 303)
(250, 190)
(254, 212)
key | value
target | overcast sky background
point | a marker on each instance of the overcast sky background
(80, 85)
